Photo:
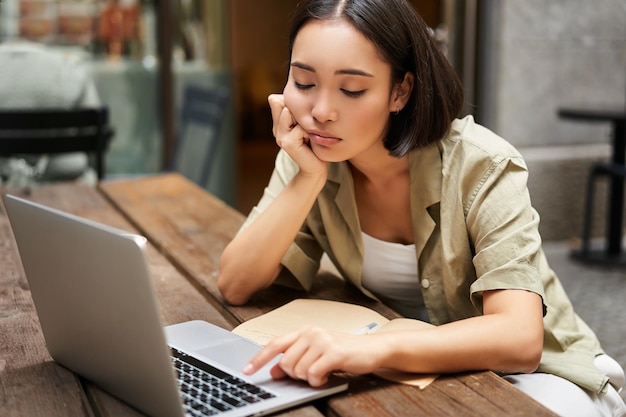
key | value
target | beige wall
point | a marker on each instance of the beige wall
(555, 53)
(549, 54)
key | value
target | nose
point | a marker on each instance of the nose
(324, 109)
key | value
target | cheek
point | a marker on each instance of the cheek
(371, 115)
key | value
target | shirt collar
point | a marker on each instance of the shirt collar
(425, 183)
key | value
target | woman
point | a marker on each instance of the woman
(425, 212)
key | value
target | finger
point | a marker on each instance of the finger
(319, 371)
(287, 131)
(285, 120)
(277, 372)
(276, 100)
(313, 367)
(269, 352)
(297, 358)
(277, 104)
(317, 362)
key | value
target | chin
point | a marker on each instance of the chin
(328, 155)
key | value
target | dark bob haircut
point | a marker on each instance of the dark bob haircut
(405, 41)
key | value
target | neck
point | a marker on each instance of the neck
(379, 170)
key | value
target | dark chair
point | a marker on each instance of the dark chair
(612, 254)
(203, 110)
(33, 132)
(615, 171)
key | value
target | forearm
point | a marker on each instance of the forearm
(252, 259)
(507, 339)
(485, 342)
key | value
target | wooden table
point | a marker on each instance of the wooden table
(187, 229)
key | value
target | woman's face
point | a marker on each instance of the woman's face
(339, 90)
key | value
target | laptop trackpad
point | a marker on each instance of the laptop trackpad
(234, 354)
(214, 343)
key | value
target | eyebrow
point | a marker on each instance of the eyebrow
(347, 71)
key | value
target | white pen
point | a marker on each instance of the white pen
(367, 329)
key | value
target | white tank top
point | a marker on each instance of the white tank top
(390, 273)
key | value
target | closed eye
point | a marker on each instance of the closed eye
(300, 86)
(353, 94)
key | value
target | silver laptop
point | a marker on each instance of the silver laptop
(100, 318)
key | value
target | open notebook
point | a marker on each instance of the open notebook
(100, 318)
(335, 316)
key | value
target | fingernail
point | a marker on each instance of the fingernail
(248, 368)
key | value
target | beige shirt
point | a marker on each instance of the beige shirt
(475, 230)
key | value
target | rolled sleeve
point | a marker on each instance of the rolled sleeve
(504, 227)
(302, 260)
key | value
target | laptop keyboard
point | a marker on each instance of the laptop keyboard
(208, 391)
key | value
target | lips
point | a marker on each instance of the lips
(323, 138)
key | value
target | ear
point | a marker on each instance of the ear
(401, 93)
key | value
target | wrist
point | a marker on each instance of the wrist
(312, 180)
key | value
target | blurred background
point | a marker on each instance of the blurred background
(520, 62)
